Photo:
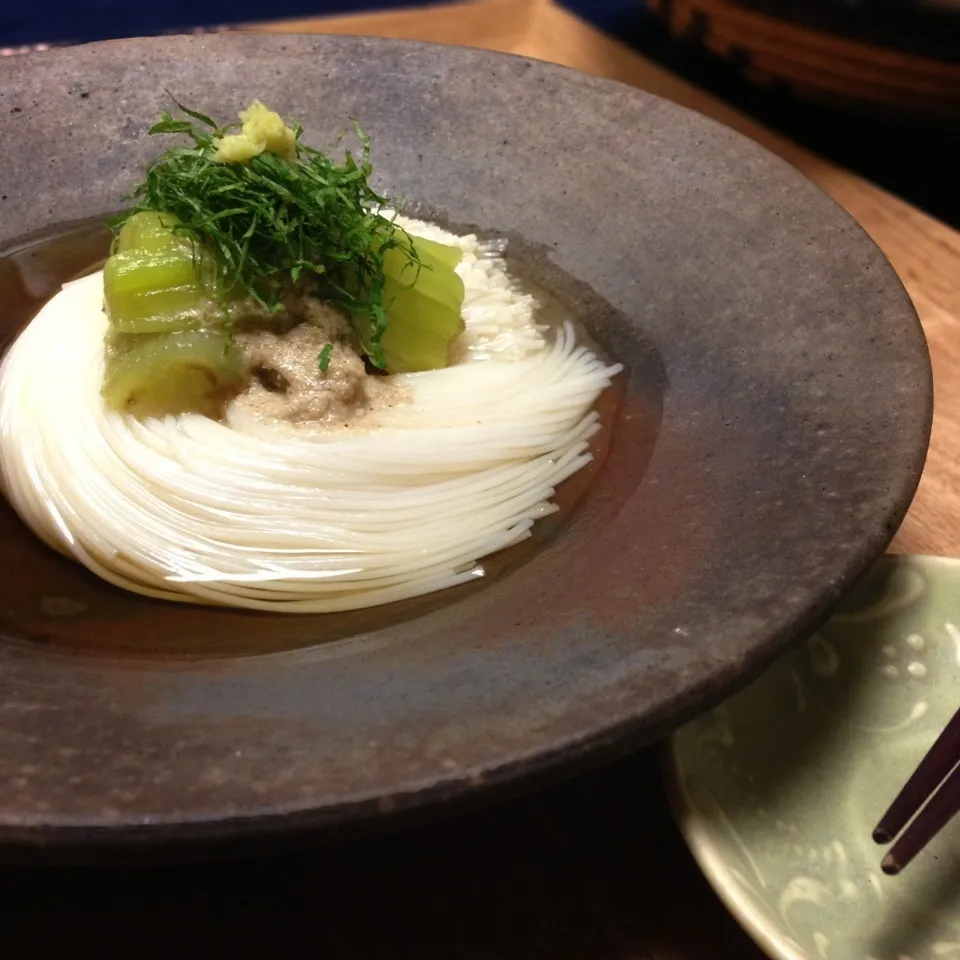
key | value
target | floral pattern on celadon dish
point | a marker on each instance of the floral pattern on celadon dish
(777, 790)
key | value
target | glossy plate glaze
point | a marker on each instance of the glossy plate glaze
(778, 789)
(760, 452)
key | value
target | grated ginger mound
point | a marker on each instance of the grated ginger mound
(263, 131)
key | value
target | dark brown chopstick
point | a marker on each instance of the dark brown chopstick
(935, 783)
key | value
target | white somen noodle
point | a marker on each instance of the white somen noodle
(247, 513)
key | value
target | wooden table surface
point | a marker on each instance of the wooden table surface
(590, 870)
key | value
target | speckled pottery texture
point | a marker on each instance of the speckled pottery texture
(778, 790)
(767, 446)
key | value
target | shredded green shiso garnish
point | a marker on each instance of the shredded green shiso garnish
(323, 360)
(274, 224)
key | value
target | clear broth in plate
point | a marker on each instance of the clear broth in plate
(53, 602)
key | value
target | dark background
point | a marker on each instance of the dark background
(77, 21)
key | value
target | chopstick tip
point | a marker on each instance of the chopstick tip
(890, 866)
(881, 835)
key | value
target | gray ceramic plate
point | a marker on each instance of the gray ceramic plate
(766, 443)
(777, 791)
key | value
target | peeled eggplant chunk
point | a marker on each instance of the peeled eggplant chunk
(422, 302)
(187, 371)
